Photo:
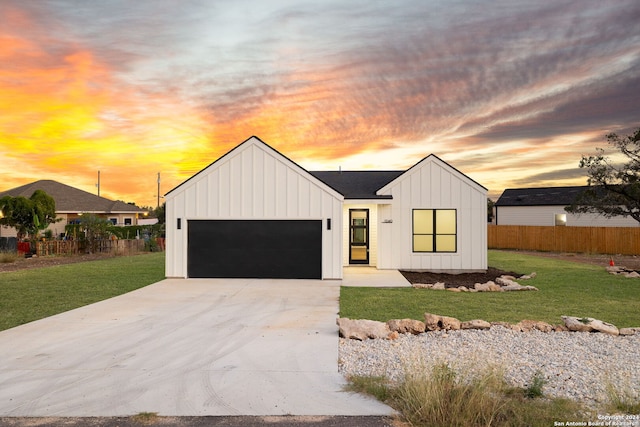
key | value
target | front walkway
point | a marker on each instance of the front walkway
(371, 277)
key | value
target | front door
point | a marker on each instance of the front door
(358, 236)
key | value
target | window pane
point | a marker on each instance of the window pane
(423, 221)
(358, 218)
(445, 243)
(423, 243)
(446, 221)
(359, 235)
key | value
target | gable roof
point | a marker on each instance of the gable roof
(254, 141)
(72, 200)
(436, 159)
(349, 184)
(358, 184)
(543, 196)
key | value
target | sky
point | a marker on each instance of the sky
(512, 93)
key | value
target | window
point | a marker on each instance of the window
(114, 221)
(127, 221)
(561, 219)
(434, 230)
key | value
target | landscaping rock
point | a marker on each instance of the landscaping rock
(433, 322)
(362, 329)
(494, 287)
(530, 325)
(629, 331)
(483, 287)
(422, 285)
(623, 271)
(505, 325)
(528, 276)
(404, 326)
(502, 283)
(588, 324)
(560, 328)
(506, 281)
(575, 324)
(517, 287)
(508, 284)
(475, 324)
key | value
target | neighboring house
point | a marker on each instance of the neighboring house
(545, 207)
(72, 202)
(256, 213)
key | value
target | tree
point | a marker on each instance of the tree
(614, 189)
(95, 230)
(28, 216)
(44, 208)
(490, 206)
(160, 213)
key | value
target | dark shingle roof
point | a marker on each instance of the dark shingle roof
(71, 199)
(357, 184)
(545, 196)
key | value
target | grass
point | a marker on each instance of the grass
(146, 418)
(622, 399)
(33, 294)
(442, 396)
(565, 288)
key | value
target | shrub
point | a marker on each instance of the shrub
(534, 389)
(7, 257)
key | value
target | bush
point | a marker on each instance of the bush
(7, 257)
(535, 388)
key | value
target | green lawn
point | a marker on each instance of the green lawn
(566, 288)
(33, 294)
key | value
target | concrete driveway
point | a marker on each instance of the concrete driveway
(185, 347)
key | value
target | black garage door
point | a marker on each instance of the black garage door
(278, 249)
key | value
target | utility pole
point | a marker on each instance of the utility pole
(158, 190)
(98, 184)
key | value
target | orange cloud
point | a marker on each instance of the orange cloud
(69, 116)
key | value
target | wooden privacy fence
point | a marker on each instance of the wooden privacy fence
(71, 247)
(598, 240)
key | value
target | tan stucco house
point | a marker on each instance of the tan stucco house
(72, 202)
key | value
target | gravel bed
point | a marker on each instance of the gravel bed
(577, 365)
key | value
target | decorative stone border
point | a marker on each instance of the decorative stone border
(503, 283)
(623, 271)
(363, 329)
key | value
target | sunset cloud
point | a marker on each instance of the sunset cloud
(512, 95)
(69, 116)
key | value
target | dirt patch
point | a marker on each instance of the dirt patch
(456, 280)
(22, 263)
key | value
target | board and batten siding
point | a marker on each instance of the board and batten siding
(253, 181)
(545, 216)
(433, 184)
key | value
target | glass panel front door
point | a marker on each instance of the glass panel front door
(358, 236)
